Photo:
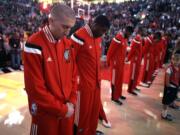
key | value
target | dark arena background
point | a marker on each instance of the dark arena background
(142, 112)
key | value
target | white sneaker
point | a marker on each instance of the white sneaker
(105, 124)
(157, 70)
(149, 82)
(144, 84)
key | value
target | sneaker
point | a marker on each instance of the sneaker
(149, 82)
(157, 71)
(137, 89)
(99, 132)
(144, 84)
(168, 117)
(174, 106)
(117, 101)
(153, 77)
(106, 124)
(123, 97)
(133, 93)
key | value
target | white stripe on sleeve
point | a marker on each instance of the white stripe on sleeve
(76, 40)
(32, 50)
(118, 41)
(136, 41)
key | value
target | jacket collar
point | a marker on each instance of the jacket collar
(88, 29)
(48, 34)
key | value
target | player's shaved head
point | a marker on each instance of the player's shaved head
(61, 19)
(61, 12)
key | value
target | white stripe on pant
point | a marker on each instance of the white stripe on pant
(77, 110)
(34, 129)
(113, 76)
(133, 71)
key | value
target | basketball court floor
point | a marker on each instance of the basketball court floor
(137, 116)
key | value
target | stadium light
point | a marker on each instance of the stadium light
(49, 1)
(44, 5)
(72, 4)
(143, 16)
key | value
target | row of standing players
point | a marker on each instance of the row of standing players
(151, 49)
(51, 62)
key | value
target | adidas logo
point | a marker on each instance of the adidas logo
(49, 59)
(90, 47)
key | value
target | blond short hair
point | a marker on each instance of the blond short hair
(61, 11)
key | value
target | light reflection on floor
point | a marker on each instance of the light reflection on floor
(138, 115)
(14, 116)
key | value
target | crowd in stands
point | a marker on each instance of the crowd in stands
(161, 15)
(20, 18)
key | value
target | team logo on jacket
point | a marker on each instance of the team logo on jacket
(33, 108)
(66, 55)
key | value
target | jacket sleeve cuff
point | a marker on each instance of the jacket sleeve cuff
(63, 111)
(73, 100)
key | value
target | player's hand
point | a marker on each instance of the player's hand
(126, 60)
(70, 109)
(107, 64)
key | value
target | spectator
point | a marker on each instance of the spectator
(14, 43)
(171, 85)
(2, 51)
